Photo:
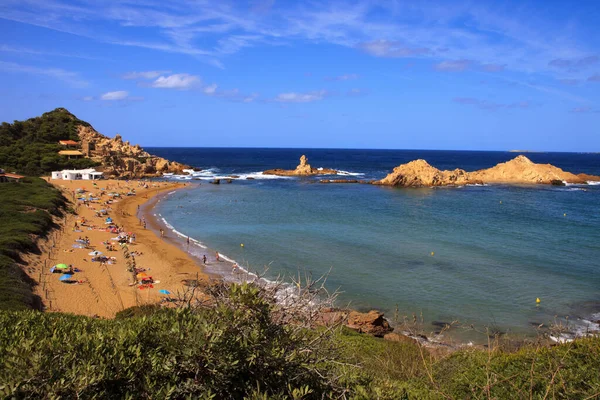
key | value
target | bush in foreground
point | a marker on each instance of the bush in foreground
(238, 347)
(223, 352)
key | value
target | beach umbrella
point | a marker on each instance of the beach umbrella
(61, 266)
(163, 291)
(95, 253)
(142, 275)
(65, 277)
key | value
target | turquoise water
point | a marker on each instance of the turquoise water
(477, 254)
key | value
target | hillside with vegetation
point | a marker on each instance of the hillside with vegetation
(31, 147)
(27, 212)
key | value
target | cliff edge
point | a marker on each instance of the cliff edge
(120, 158)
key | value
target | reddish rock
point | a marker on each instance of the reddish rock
(122, 159)
(398, 337)
(372, 323)
(303, 169)
(519, 170)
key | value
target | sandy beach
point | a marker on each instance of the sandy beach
(103, 289)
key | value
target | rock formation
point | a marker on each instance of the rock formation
(522, 170)
(122, 159)
(519, 170)
(419, 173)
(371, 323)
(303, 169)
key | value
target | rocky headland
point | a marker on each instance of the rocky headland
(519, 170)
(303, 169)
(118, 158)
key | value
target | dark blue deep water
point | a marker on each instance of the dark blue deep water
(477, 254)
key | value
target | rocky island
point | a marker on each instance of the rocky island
(303, 169)
(519, 170)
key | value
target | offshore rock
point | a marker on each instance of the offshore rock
(522, 170)
(419, 173)
(303, 169)
(519, 170)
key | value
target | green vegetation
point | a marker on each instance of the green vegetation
(26, 211)
(222, 352)
(235, 349)
(406, 370)
(31, 147)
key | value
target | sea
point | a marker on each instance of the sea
(477, 256)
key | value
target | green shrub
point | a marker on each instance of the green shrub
(26, 212)
(567, 371)
(235, 350)
(228, 351)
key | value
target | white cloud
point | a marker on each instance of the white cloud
(393, 49)
(69, 77)
(88, 98)
(293, 97)
(25, 50)
(356, 92)
(492, 35)
(453, 66)
(210, 89)
(118, 95)
(143, 75)
(176, 81)
(250, 98)
(346, 77)
(490, 105)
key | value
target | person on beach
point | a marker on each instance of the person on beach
(234, 268)
(162, 233)
(217, 256)
(204, 259)
(188, 241)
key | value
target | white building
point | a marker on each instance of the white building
(75, 174)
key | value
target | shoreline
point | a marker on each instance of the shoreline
(103, 289)
(172, 260)
(460, 335)
(195, 250)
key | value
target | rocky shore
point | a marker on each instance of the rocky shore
(121, 159)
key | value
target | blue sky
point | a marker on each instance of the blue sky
(488, 75)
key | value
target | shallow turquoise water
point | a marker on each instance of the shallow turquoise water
(495, 248)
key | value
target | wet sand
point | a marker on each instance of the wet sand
(104, 289)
